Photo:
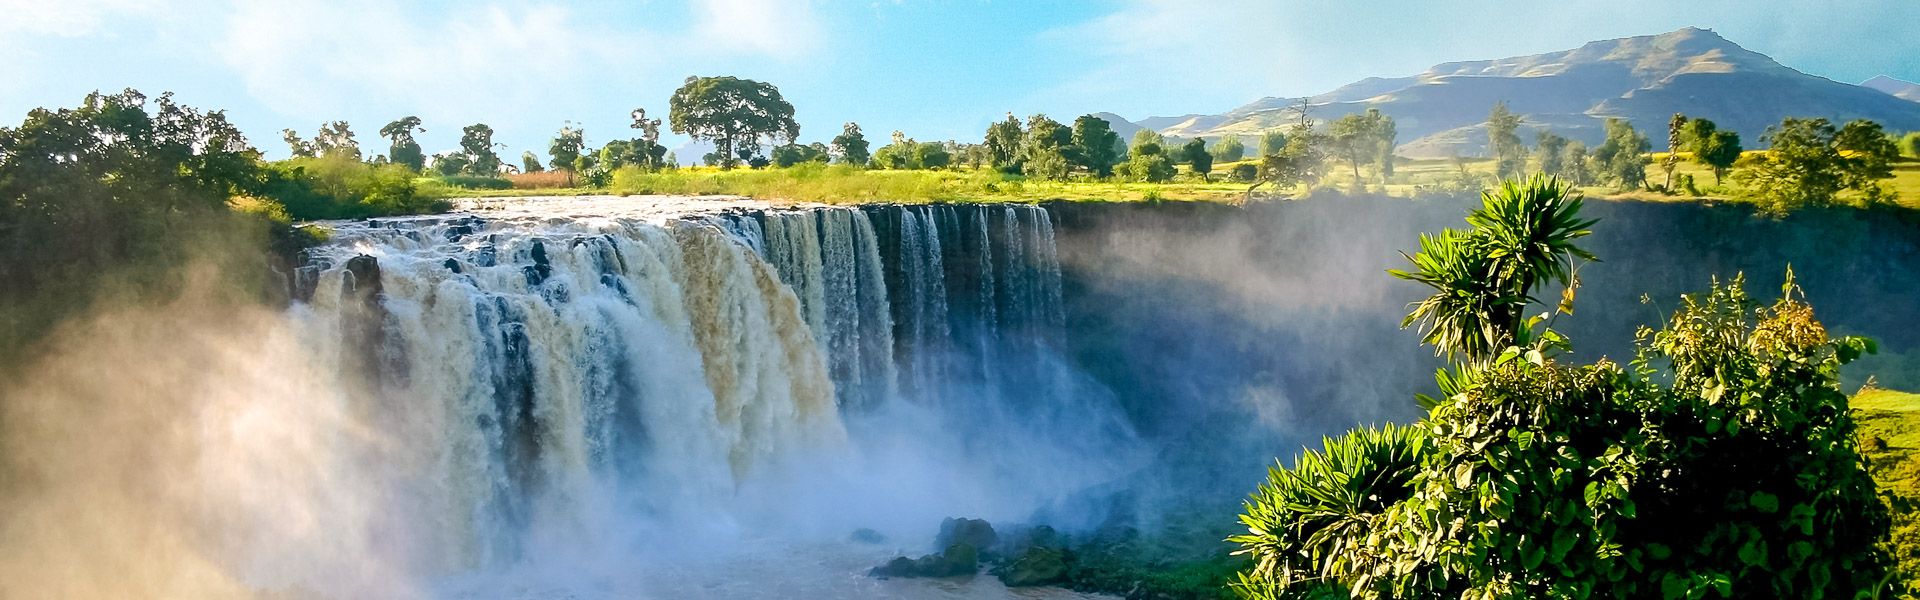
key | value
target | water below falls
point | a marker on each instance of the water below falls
(563, 388)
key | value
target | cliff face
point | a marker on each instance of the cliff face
(1204, 318)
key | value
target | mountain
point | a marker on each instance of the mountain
(1898, 88)
(1441, 112)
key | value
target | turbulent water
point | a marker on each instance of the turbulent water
(611, 380)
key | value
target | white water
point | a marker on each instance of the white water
(608, 397)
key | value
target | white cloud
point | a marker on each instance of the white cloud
(67, 18)
(315, 57)
(776, 28)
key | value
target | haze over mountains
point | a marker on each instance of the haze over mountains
(1645, 79)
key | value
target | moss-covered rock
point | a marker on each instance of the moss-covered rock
(1037, 566)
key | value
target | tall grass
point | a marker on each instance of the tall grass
(544, 180)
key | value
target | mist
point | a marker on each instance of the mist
(652, 404)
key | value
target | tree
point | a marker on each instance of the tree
(1003, 144)
(1096, 145)
(931, 155)
(297, 147)
(1676, 131)
(1149, 163)
(1043, 152)
(1622, 157)
(1272, 142)
(896, 155)
(851, 145)
(476, 142)
(1809, 162)
(734, 114)
(1147, 136)
(1577, 164)
(1385, 133)
(403, 150)
(565, 149)
(530, 163)
(1552, 150)
(1910, 144)
(1195, 154)
(451, 163)
(1503, 141)
(1716, 149)
(644, 151)
(120, 185)
(788, 155)
(1363, 138)
(1229, 149)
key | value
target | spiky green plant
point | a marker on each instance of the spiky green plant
(1305, 525)
(1483, 278)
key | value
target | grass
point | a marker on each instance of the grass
(839, 184)
(1890, 436)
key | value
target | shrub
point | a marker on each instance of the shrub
(476, 182)
(1307, 522)
(1722, 461)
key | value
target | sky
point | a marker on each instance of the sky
(935, 69)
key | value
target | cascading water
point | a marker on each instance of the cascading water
(550, 372)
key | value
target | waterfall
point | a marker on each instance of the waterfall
(544, 368)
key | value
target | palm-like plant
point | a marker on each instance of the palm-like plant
(1306, 525)
(1483, 278)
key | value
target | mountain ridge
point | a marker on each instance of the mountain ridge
(1441, 112)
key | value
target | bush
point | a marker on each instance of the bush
(1245, 172)
(476, 182)
(1306, 522)
(1721, 461)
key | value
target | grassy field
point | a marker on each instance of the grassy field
(1890, 434)
(844, 185)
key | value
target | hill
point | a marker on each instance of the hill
(1643, 79)
(1898, 88)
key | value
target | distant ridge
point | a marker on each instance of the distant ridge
(1643, 79)
(1898, 88)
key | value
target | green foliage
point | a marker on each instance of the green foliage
(1716, 149)
(1622, 158)
(1272, 142)
(1195, 154)
(1503, 141)
(1308, 523)
(1484, 278)
(1676, 135)
(1004, 139)
(1229, 149)
(851, 145)
(1809, 162)
(1910, 144)
(1245, 172)
(792, 154)
(1148, 163)
(530, 163)
(1144, 137)
(1551, 150)
(337, 187)
(403, 150)
(1298, 163)
(1043, 153)
(476, 144)
(1363, 139)
(734, 114)
(566, 147)
(1721, 463)
(122, 188)
(1096, 146)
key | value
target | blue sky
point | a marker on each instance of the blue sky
(936, 69)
